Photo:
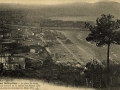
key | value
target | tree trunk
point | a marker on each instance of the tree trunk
(108, 73)
(108, 53)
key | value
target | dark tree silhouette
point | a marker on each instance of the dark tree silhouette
(105, 32)
(93, 73)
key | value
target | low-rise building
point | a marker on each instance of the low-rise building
(13, 62)
(35, 48)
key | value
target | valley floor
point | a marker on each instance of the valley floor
(89, 50)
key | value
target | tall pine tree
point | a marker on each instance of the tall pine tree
(105, 32)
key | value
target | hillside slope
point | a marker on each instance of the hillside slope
(71, 9)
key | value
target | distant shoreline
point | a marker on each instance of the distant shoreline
(50, 28)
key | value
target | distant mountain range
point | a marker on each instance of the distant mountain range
(71, 9)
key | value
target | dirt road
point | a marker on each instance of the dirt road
(74, 56)
(84, 49)
(90, 50)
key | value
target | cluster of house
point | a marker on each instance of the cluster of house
(18, 61)
(15, 62)
(36, 44)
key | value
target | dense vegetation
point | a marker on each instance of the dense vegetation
(105, 32)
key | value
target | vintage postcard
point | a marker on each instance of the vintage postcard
(59, 44)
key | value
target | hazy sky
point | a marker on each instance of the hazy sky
(50, 2)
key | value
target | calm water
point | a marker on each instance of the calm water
(74, 18)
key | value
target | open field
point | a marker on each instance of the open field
(89, 50)
(63, 54)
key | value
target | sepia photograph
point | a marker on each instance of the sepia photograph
(59, 44)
